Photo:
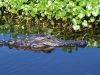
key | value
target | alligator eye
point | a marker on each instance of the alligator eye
(49, 38)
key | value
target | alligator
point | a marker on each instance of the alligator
(42, 42)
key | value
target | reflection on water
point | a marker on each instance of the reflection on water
(58, 61)
(41, 42)
(85, 61)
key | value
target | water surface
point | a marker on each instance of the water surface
(85, 61)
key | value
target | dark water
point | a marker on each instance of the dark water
(85, 61)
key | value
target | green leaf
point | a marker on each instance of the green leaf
(81, 15)
(76, 27)
(92, 19)
(84, 23)
(50, 31)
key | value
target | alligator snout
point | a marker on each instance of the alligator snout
(81, 43)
